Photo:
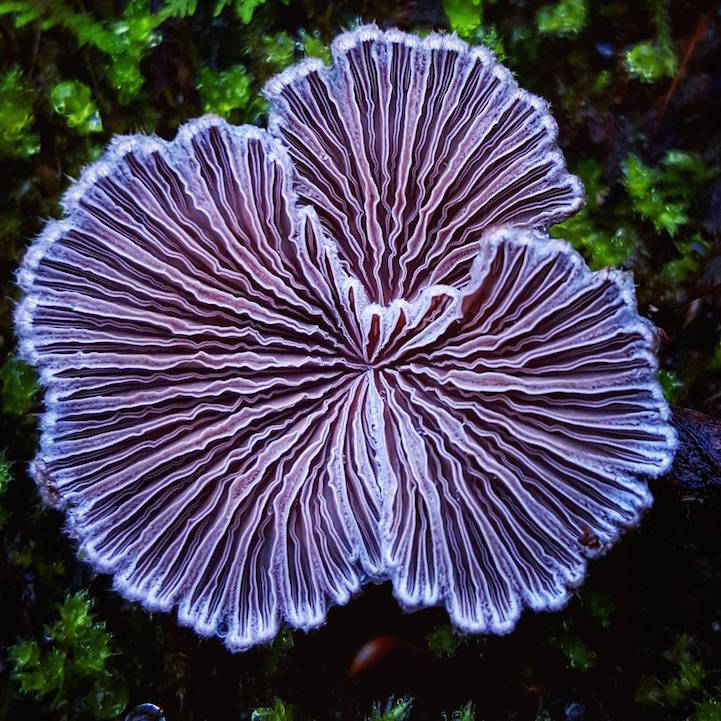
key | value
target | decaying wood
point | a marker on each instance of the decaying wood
(698, 460)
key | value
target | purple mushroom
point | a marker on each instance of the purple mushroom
(277, 368)
(410, 149)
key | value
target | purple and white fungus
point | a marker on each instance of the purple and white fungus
(281, 364)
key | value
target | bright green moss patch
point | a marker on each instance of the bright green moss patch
(225, 92)
(602, 236)
(244, 9)
(662, 194)
(567, 17)
(123, 42)
(70, 669)
(313, 45)
(464, 16)
(277, 51)
(74, 101)
(650, 61)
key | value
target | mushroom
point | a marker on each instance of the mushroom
(270, 377)
(409, 149)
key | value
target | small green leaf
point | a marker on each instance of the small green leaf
(246, 8)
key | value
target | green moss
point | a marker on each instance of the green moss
(709, 710)
(652, 60)
(489, 36)
(70, 669)
(277, 51)
(225, 92)
(313, 45)
(688, 263)
(604, 238)
(124, 42)
(17, 98)
(465, 713)
(663, 194)
(74, 101)
(688, 680)
(277, 712)
(673, 387)
(444, 640)
(244, 9)
(465, 17)
(567, 17)
(690, 675)
(578, 655)
(600, 247)
(18, 386)
(394, 710)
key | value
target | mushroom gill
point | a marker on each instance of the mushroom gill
(279, 367)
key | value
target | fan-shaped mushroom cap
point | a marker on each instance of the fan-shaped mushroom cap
(410, 148)
(200, 386)
(246, 421)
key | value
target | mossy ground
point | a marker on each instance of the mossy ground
(636, 89)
